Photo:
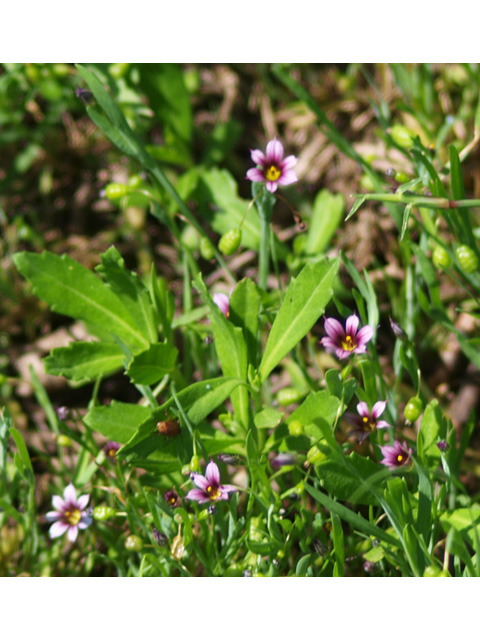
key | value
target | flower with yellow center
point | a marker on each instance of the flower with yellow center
(209, 488)
(70, 514)
(272, 168)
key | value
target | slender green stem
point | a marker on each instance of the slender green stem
(264, 205)
(420, 201)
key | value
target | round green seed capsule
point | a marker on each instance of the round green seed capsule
(441, 258)
(64, 441)
(413, 409)
(403, 136)
(116, 190)
(206, 249)
(288, 395)
(295, 428)
(133, 543)
(230, 241)
(102, 512)
(467, 258)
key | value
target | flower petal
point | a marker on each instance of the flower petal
(223, 302)
(58, 503)
(351, 325)
(212, 474)
(57, 529)
(70, 494)
(383, 424)
(329, 344)
(288, 177)
(255, 175)
(258, 157)
(83, 501)
(272, 186)
(365, 335)
(334, 329)
(378, 409)
(289, 163)
(362, 408)
(342, 353)
(198, 495)
(54, 515)
(201, 482)
(72, 533)
(274, 152)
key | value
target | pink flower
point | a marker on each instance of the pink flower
(395, 456)
(209, 487)
(70, 514)
(344, 342)
(223, 303)
(367, 421)
(272, 168)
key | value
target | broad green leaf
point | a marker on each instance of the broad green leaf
(244, 311)
(268, 418)
(352, 479)
(318, 404)
(134, 296)
(327, 213)
(73, 290)
(151, 365)
(231, 349)
(84, 360)
(117, 421)
(302, 566)
(466, 521)
(304, 302)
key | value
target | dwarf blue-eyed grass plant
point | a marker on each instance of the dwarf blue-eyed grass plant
(225, 422)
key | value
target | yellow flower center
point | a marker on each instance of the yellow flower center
(399, 458)
(213, 492)
(370, 424)
(273, 173)
(348, 344)
(73, 517)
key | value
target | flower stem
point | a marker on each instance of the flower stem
(264, 206)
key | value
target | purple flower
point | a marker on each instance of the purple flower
(283, 460)
(344, 342)
(367, 421)
(223, 303)
(209, 487)
(171, 498)
(111, 449)
(70, 514)
(395, 456)
(272, 168)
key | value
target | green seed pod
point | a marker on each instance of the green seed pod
(190, 238)
(288, 395)
(64, 441)
(401, 177)
(118, 69)
(102, 512)
(230, 241)
(133, 543)
(206, 249)
(435, 572)
(441, 258)
(413, 409)
(403, 136)
(194, 463)
(467, 258)
(295, 428)
(366, 183)
(116, 190)
(315, 456)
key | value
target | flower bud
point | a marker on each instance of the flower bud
(230, 241)
(118, 69)
(102, 512)
(467, 258)
(206, 249)
(403, 136)
(133, 543)
(178, 548)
